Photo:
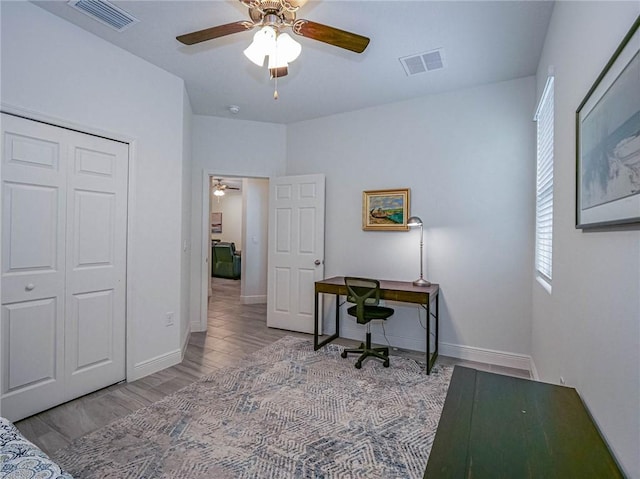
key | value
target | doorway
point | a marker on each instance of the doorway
(237, 213)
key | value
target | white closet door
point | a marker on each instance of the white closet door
(33, 267)
(96, 264)
(64, 208)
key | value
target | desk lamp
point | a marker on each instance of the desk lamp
(411, 223)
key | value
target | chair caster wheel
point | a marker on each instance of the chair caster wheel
(358, 365)
(386, 363)
(343, 354)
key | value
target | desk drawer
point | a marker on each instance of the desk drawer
(405, 296)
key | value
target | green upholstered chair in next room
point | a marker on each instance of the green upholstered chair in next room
(225, 262)
(365, 293)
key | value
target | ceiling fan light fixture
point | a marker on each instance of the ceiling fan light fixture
(278, 72)
(287, 48)
(264, 42)
(276, 61)
(218, 192)
(271, 17)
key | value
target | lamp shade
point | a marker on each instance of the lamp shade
(276, 62)
(286, 51)
(414, 221)
(288, 48)
(263, 44)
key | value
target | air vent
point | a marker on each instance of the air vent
(105, 13)
(423, 62)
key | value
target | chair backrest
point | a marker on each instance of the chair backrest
(223, 252)
(363, 291)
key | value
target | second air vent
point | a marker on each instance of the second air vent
(423, 62)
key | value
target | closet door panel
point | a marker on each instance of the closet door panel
(96, 263)
(33, 266)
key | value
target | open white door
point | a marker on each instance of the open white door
(296, 250)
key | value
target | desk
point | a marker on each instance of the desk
(403, 291)
(495, 426)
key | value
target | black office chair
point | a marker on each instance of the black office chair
(365, 293)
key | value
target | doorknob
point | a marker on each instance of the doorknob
(317, 262)
(30, 287)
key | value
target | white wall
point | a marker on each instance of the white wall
(66, 73)
(230, 205)
(226, 148)
(468, 158)
(255, 240)
(588, 329)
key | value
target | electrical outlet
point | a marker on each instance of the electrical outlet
(169, 318)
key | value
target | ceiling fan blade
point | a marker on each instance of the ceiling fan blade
(214, 32)
(332, 36)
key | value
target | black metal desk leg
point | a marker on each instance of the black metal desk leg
(437, 318)
(315, 324)
(428, 308)
(316, 344)
(337, 332)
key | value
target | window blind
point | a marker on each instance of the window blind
(544, 183)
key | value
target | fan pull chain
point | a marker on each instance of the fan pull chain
(275, 74)
(275, 90)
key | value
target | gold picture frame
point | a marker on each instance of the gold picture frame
(385, 210)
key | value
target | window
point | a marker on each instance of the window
(544, 184)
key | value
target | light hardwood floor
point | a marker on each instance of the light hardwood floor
(234, 330)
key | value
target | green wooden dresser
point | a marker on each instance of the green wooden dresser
(494, 426)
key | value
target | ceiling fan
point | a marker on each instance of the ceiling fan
(219, 187)
(272, 17)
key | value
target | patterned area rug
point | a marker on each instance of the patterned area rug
(284, 412)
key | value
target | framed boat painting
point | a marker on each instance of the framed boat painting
(608, 142)
(385, 210)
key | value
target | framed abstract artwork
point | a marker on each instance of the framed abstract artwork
(385, 210)
(608, 142)
(216, 223)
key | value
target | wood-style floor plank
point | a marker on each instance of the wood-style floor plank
(234, 329)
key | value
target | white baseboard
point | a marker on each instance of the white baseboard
(351, 331)
(487, 356)
(258, 299)
(469, 353)
(156, 364)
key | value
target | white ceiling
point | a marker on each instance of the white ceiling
(482, 42)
